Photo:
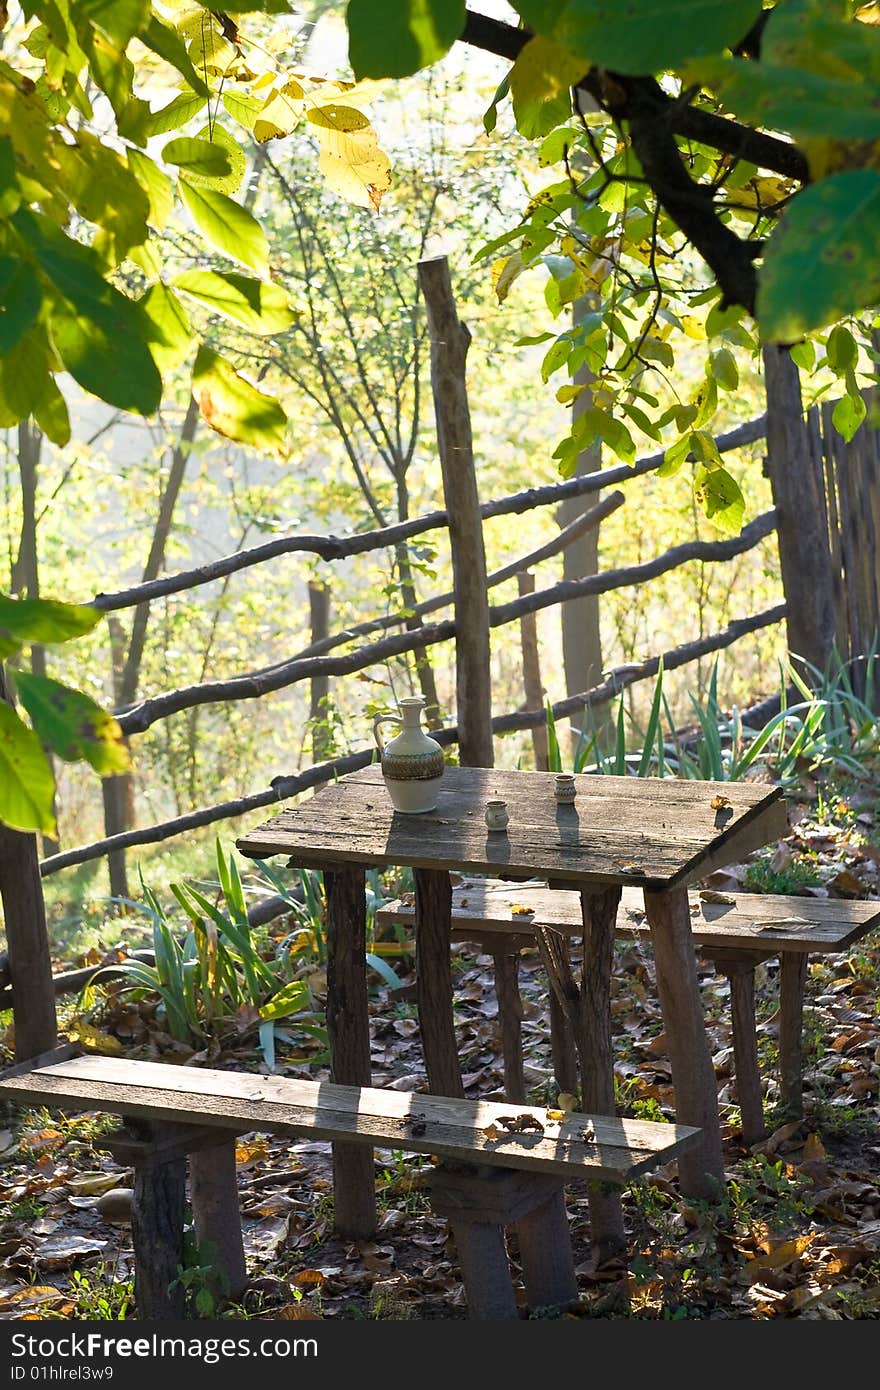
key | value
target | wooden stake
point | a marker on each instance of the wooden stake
(792, 986)
(157, 1212)
(319, 685)
(27, 939)
(545, 1253)
(701, 1170)
(433, 913)
(510, 1013)
(449, 345)
(348, 1027)
(531, 664)
(217, 1216)
(749, 1091)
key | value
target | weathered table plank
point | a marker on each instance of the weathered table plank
(613, 833)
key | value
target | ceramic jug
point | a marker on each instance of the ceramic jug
(412, 763)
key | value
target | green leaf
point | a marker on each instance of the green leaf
(217, 134)
(398, 37)
(20, 300)
(205, 158)
(803, 355)
(490, 115)
(802, 103)
(120, 19)
(226, 225)
(25, 620)
(724, 369)
(235, 408)
(595, 424)
(848, 414)
(52, 416)
(540, 82)
(27, 788)
(823, 262)
(841, 350)
(718, 493)
(155, 184)
(642, 36)
(174, 114)
(166, 43)
(170, 332)
(25, 381)
(289, 1000)
(72, 724)
(259, 305)
(674, 457)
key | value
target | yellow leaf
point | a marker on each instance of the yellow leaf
(93, 1040)
(543, 70)
(566, 1101)
(309, 1279)
(779, 1256)
(504, 272)
(280, 113)
(248, 1154)
(517, 910)
(814, 1150)
(556, 1116)
(93, 1184)
(491, 1132)
(350, 158)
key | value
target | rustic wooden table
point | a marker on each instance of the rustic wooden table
(658, 834)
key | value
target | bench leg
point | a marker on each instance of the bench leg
(749, 1091)
(216, 1216)
(348, 1028)
(510, 1014)
(482, 1256)
(157, 1213)
(545, 1252)
(701, 1169)
(792, 987)
(433, 912)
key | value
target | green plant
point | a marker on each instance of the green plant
(760, 877)
(216, 983)
(100, 1295)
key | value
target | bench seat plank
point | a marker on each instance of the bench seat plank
(748, 921)
(453, 1129)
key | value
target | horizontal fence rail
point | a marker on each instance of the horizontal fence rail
(283, 788)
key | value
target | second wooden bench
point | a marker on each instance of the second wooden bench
(735, 931)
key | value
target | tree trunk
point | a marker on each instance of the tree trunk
(449, 346)
(801, 525)
(27, 939)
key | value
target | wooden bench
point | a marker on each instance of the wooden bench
(735, 931)
(498, 1165)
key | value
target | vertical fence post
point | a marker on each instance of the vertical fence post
(27, 940)
(319, 686)
(801, 527)
(531, 664)
(449, 345)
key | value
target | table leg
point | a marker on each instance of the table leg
(348, 1028)
(587, 1006)
(792, 987)
(433, 913)
(701, 1169)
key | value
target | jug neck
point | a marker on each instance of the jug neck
(411, 713)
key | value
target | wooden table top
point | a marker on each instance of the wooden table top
(654, 832)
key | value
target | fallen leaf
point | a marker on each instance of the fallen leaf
(720, 803)
(778, 1257)
(491, 1132)
(566, 1101)
(93, 1040)
(711, 895)
(297, 1312)
(309, 1279)
(93, 1184)
(66, 1250)
(814, 1149)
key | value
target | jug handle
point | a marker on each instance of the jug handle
(384, 719)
